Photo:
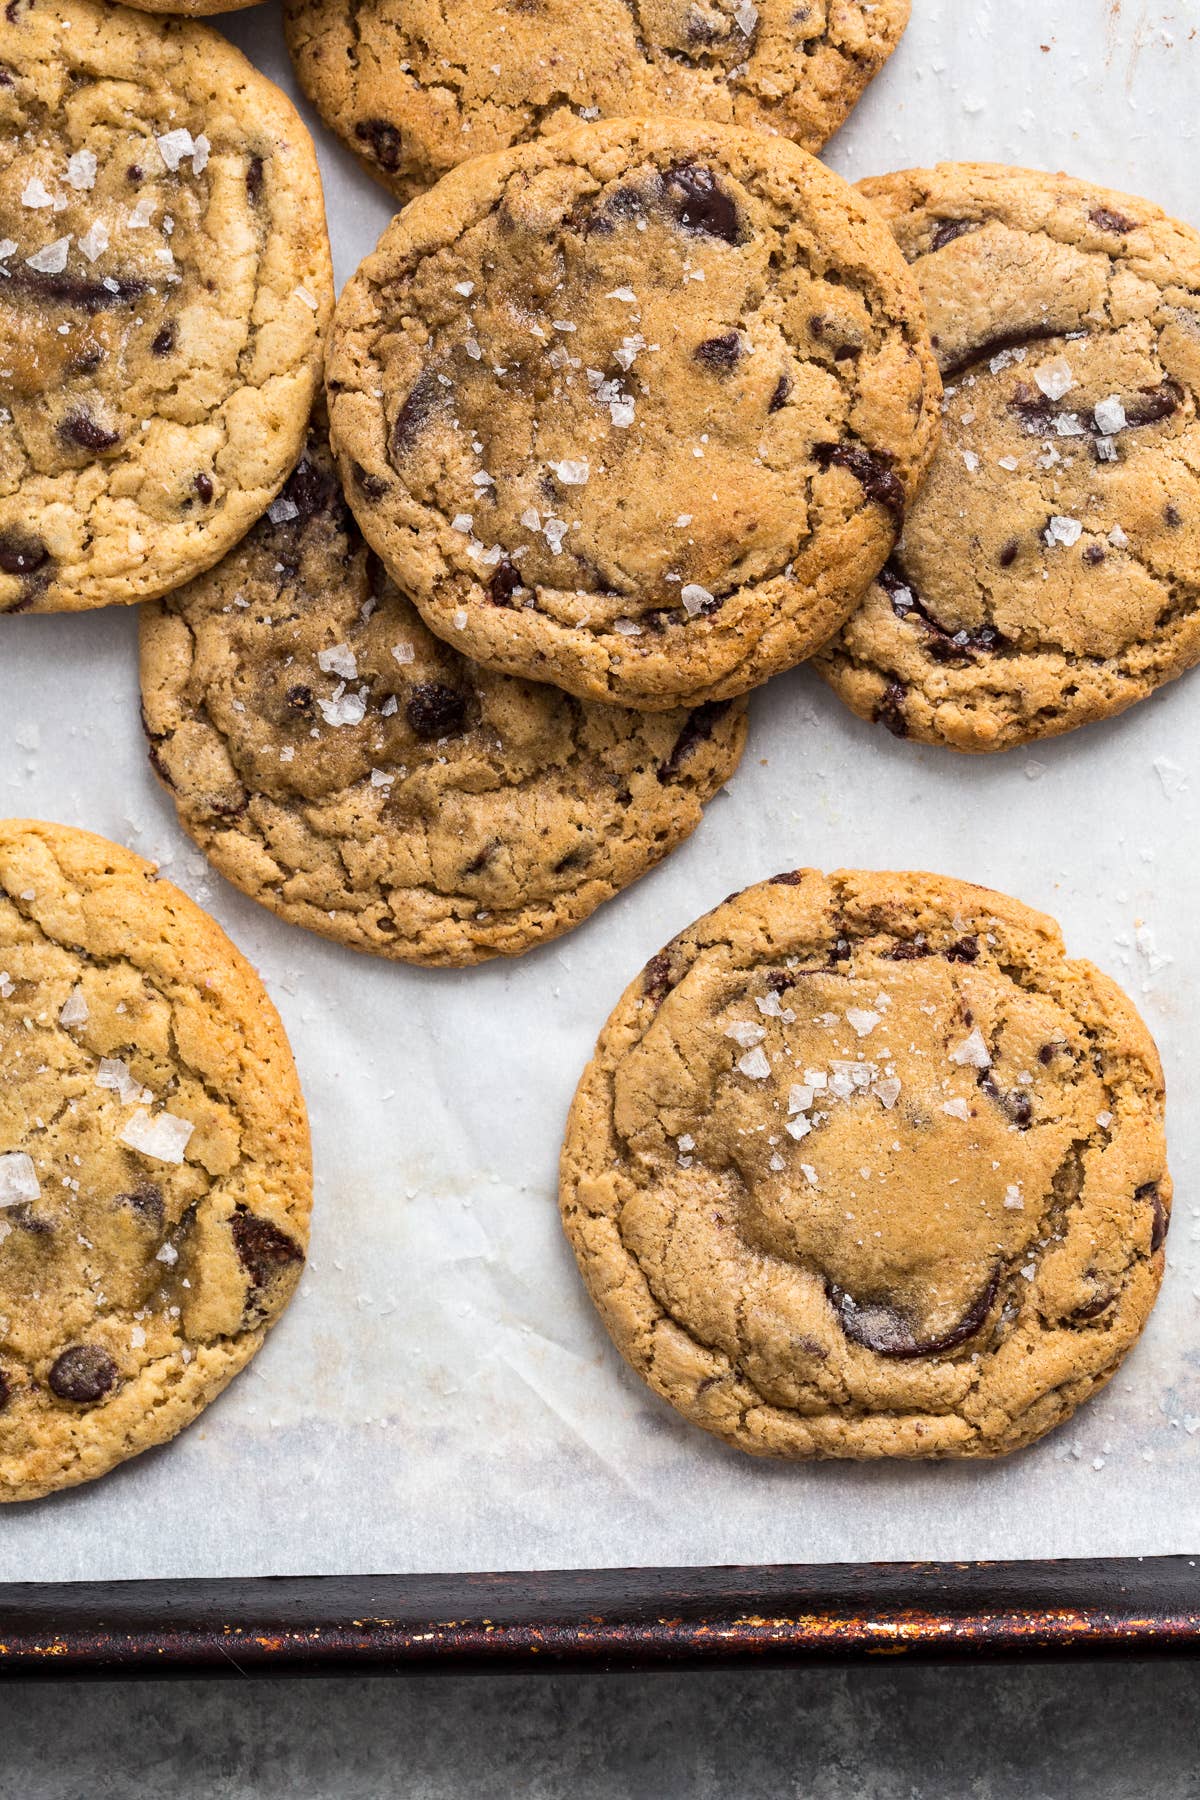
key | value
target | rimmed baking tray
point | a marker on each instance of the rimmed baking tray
(441, 1397)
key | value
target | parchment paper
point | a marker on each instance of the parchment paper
(441, 1395)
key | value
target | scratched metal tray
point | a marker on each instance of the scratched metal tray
(441, 1400)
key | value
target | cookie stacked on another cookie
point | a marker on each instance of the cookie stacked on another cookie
(360, 777)
(415, 87)
(154, 1163)
(635, 409)
(164, 289)
(1049, 572)
(865, 1167)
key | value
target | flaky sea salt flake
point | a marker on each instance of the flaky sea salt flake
(53, 259)
(164, 1138)
(74, 1009)
(754, 1064)
(18, 1179)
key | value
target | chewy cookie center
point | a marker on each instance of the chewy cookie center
(606, 409)
(891, 1139)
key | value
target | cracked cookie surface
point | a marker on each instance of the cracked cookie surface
(155, 1181)
(864, 1167)
(164, 287)
(634, 409)
(414, 87)
(349, 770)
(1049, 572)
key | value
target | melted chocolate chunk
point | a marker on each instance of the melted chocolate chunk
(889, 710)
(373, 486)
(1162, 1219)
(949, 229)
(254, 180)
(911, 951)
(20, 555)
(700, 203)
(300, 699)
(163, 341)
(263, 1250)
(203, 486)
(1172, 515)
(1156, 403)
(778, 400)
(436, 711)
(942, 645)
(311, 489)
(656, 977)
(5, 1390)
(84, 1373)
(787, 878)
(145, 1199)
(479, 863)
(25, 1219)
(878, 1326)
(1008, 554)
(87, 296)
(720, 353)
(1104, 219)
(965, 950)
(80, 428)
(383, 142)
(697, 729)
(505, 581)
(1093, 1308)
(420, 403)
(870, 469)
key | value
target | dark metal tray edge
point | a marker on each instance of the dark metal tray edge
(601, 1618)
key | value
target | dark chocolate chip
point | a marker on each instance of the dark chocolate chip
(134, 173)
(878, 1326)
(574, 859)
(965, 950)
(203, 486)
(700, 203)
(911, 951)
(436, 711)
(949, 229)
(419, 404)
(1093, 554)
(871, 469)
(254, 180)
(20, 555)
(5, 1390)
(942, 645)
(787, 878)
(383, 142)
(80, 428)
(889, 709)
(783, 388)
(263, 1250)
(505, 581)
(720, 353)
(25, 1219)
(84, 1373)
(1092, 1309)
(1156, 403)
(1008, 554)
(697, 729)
(163, 341)
(300, 699)
(1105, 219)
(1172, 514)
(479, 863)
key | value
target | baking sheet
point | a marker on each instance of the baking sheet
(440, 1395)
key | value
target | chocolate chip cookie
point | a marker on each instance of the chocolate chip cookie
(865, 1167)
(636, 409)
(164, 287)
(154, 1162)
(1049, 572)
(414, 87)
(360, 777)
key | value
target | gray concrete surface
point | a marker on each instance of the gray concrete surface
(1028, 1733)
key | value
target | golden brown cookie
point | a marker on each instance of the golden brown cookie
(1049, 572)
(865, 1167)
(416, 86)
(360, 777)
(164, 287)
(155, 1181)
(635, 409)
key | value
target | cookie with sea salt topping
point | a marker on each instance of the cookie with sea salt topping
(636, 409)
(154, 1161)
(864, 1166)
(164, 287)
(1049, 572)
(414, 87)
(349, 770)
